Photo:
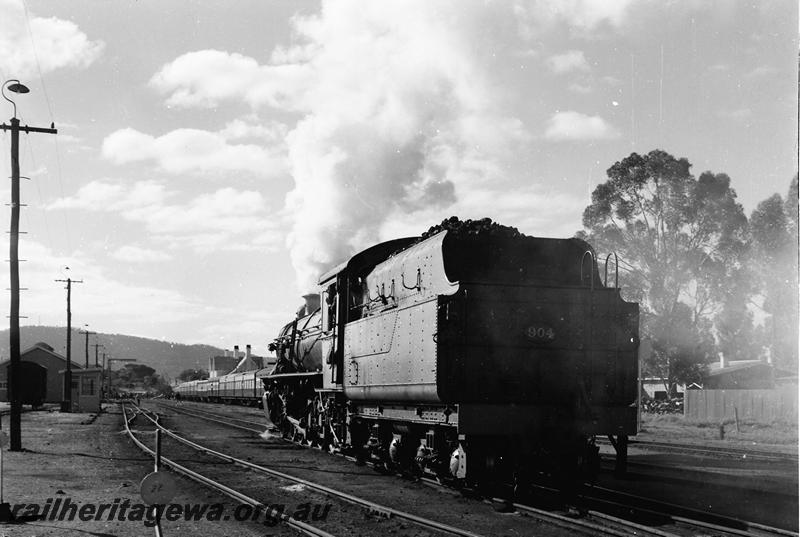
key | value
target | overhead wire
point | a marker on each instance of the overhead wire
(50, 244)
(59, 174)
(36, 58)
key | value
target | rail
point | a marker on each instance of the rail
(677, 514)
(371, 506)
(624, 528)
(287, 519)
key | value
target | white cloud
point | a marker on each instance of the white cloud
(193, 150)
(571, 125)
(572, 60)
(226, 219)
(580, 15)
(136, 254)
(114, 197)
(205, 77)
(148, 309)
(55, 43)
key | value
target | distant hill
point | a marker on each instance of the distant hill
(163, 356)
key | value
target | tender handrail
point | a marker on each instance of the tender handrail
(418, 286)
(616, 270)
(591, 267)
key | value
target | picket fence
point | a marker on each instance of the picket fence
(763, 406)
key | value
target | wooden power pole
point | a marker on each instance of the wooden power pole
(14, 365)
(87, 347)
(66, 404)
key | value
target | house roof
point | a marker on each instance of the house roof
(38, 347)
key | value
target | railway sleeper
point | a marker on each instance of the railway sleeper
(424, 441)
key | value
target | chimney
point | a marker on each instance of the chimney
(247, 351)
(722, 361)
(236, 351)
(227, 353)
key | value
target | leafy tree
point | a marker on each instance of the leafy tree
(136, 373)
(138, 376)
(682, 240)
(774, 260)
(192, 374)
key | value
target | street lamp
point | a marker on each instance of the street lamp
(15, 86)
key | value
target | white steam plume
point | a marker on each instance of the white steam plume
(400, 111)
(409, 112)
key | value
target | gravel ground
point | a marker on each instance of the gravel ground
(89, 460)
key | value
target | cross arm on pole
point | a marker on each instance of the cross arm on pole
(28, 129)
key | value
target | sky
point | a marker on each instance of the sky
(214, 158)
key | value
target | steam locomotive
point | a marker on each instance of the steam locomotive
(471, 352)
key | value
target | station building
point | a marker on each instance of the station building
(42, 359)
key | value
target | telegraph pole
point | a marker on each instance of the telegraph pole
(96, 346)
(13, 368)
(66, 405)
(87, 346)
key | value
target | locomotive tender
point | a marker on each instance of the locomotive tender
(472, 352)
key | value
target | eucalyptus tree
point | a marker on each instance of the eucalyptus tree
(681, 242)
(774, 258)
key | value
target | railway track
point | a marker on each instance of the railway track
(713, 450)
(592, 525)
(594, 520)
(371, 507)
(298, 525)
(683, 517)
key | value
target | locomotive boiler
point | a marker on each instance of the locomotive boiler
(471, 352)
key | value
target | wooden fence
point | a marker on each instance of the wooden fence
(779, 404)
